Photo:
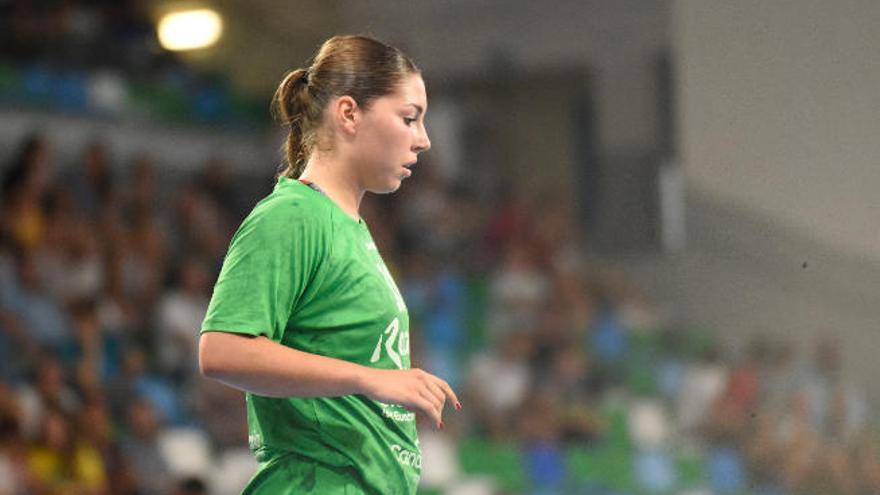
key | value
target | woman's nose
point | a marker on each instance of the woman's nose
(423, 143)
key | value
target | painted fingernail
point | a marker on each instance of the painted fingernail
(441, 425)
(458, 405)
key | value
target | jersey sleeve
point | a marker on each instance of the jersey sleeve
(272, 258)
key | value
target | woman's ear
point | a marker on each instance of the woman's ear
(346, 114)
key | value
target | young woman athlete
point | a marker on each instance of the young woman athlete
(305, 316)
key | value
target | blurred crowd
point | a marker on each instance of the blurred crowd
(595, 386)
(83, 34)
(104, 281)
(571, 379)
(103, 58)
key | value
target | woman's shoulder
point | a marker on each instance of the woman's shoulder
(286, 207)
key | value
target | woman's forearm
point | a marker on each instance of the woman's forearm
(263, 367)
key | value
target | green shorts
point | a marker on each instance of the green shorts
(291, 474)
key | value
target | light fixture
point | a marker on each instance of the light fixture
(189, 30)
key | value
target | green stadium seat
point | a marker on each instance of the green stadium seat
(500, 460)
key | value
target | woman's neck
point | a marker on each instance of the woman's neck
(339, 186)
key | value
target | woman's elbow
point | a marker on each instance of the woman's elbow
(212, 352)
(224, 355)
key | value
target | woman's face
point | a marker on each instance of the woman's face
(391, 135)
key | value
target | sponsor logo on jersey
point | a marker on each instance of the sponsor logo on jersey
(407, 457)
(396, 345)
(390, 411)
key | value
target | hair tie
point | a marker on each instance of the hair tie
(305, 77)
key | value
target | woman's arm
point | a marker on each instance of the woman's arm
(264, 367)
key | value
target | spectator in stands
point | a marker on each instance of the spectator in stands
(552, 332)
(574, 290)
(222, 413)
(48, 392)
(779, 379)
(569, 380)
(95, 427)
(87, 351)
(139, 193)
(739, 401)
(198, 227)
(91, 181)
(540, 433)
(181, 309)
(518, 290)
(702, 384)
(25, 181)
(140, 446)
(499, 380)
(837, 408)
(215, 180)
(509, 222)
(45, 321)
(83, 265)
(424, 206)
(607, 340)
(800, 441)
(123, 387)
(143, 258)
(14, 473)
(62, 462)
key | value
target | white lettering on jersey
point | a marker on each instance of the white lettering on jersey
(377, 352)
(390, 411)
(394, 349)
(403, 344)
(407, 457)
(394, 329)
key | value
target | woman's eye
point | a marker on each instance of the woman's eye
(408, 120)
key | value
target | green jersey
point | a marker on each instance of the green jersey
(303, 273)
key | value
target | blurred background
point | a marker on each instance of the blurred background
(644, 249)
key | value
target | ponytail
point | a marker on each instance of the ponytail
(290, 107)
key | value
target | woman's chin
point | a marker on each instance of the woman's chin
(387, 188)
(395, 186)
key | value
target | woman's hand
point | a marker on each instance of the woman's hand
(414, 389)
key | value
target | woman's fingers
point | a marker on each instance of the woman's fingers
(436, 405)
(427, 407)
(426, 393)
(448, 393)
(437, 391)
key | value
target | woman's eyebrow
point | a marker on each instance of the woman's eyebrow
(418, 108)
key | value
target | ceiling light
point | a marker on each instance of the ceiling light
(190, 29)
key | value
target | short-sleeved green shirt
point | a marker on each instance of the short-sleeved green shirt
(303, 273)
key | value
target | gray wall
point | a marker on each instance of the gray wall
(780, 111)
(778, 116)
(618, 40)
